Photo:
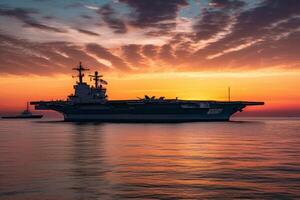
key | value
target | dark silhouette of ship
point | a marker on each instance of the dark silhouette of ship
(90, 103)
(26, 114)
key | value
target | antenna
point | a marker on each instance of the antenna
(229, 95)
(97, 78)
(80, 69)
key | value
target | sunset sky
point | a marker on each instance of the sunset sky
(190, 49)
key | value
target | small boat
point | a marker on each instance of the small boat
(26, 114)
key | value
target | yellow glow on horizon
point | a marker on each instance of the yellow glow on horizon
(276, 88)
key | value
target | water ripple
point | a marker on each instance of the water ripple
(250, 159)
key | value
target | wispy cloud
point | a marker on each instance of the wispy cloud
(144, 36)
(88, 32)
(24, 15)
(91, 7)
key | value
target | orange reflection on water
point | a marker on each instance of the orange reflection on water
(184, 160)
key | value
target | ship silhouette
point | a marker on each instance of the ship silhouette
(90, 103)
(26, 114)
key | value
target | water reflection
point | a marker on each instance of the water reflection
(239, 160)
(89, 168)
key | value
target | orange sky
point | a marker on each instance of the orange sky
(191, 49)
(277, 89)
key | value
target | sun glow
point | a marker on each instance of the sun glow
(277, 89)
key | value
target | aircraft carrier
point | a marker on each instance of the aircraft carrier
(90, 103)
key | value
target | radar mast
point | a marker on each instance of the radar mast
(97, 78)
(80, 70)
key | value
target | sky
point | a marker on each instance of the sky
(190, 49)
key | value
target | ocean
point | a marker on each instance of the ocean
(247, 158)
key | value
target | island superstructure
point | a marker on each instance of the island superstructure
(90, 103)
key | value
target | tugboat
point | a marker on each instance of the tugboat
(26, 114)
(90, 103)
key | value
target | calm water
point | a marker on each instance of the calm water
(245, 159)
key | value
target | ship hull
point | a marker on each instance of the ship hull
(23, 117)
(141, 111)
(160, 118)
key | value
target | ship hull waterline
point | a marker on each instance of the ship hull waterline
(127, 118)
(116, 111)
(23, 117)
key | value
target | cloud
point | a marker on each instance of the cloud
(166, 54)
(103, 53)
(86, 16)
(26, 57)
(24, 16)
(267, 53)
(228, 4)
(111, 19)
(91, 7)
(132, 53)
(224, 35)
(150, 51)
(88, 32)
(254, 24)
(257, 20)
(155, 13)
(210, 23)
